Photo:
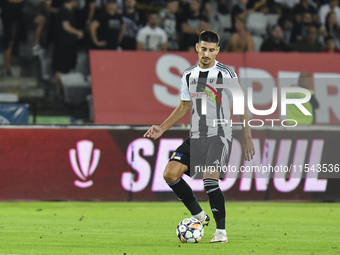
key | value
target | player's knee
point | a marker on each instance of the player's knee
(168, 175)
(171, 173)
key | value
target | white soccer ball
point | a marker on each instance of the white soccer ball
(190, 230)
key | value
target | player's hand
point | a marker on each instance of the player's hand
(154, 132)
(101, 43)
(248, 148)
(80, 34)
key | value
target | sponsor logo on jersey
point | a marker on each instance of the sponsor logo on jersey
(177, 155)
(211, 95)
(216, 162)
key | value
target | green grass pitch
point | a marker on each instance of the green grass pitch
(149, 228)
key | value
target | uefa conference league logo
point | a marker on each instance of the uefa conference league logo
(86, 167)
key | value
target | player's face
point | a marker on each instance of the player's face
(74, 3)
(130, 3)
(333, 3)
(173, 6)
(111, 6)
(207, 52)
(153, 20)
(194, 5)
(277, 33)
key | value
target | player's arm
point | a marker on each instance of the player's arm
(164, 46)
(141, 38)
(50, 8)
(121, 34)
(140, 46)
(232, 43)
(68, 28)
(250, 44)
(256, 6)
(181, 110)
(188, 30)
(247, 143)
(93, 32)
(92, 11)
(164, 41)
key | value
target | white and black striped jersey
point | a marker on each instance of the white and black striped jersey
(210, 105)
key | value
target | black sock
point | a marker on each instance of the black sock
(216, 200)
(185, 194)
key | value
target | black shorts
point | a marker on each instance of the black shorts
(203, 153)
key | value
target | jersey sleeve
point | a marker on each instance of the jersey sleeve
(237, 81)
(164, 37)
(141, 36)
(185, 93)
(234, 79)
(231, 78)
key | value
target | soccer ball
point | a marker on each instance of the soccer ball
(190, 230)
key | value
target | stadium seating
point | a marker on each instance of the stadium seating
(258, 40)
(272, 19)
(9, 98)
(82, 63)
(257, 23)
(76, 88)
(223, 25)
(45, 60)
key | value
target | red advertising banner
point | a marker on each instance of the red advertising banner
(111, 164)
(143, 88)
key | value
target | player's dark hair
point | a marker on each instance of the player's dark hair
(152, 13)
(209, 36)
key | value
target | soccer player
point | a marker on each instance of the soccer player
(208, 144)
